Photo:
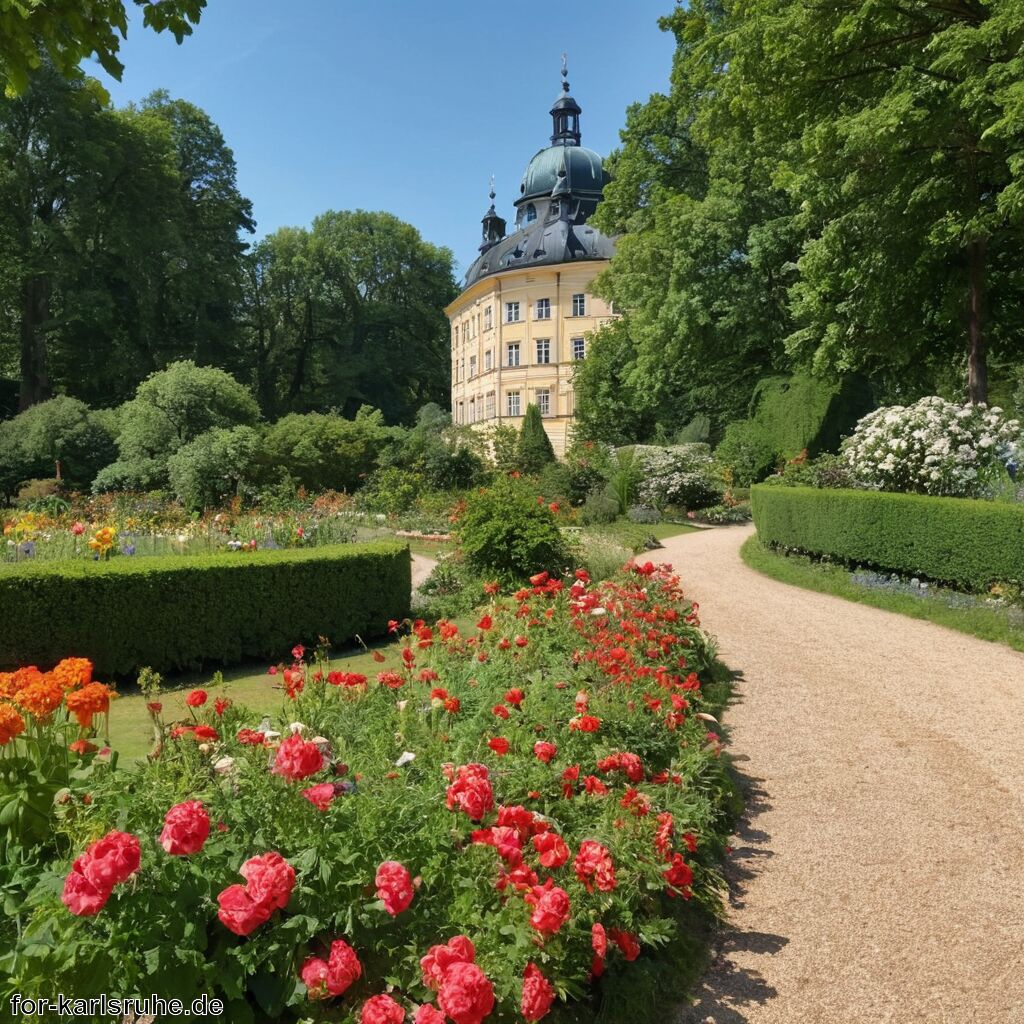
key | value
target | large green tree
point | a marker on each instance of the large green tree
(64, 32)
(120, 240)
(349, 313)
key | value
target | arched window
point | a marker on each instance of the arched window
(531, 213)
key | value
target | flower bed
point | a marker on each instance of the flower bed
(504, 823)
(168, 612)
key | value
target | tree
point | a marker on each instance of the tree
(170, 409)
(65, 32)
(905, 164)
(214, 466)
(535, 450)
(347, 313)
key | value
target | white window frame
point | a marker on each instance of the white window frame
(517, 403)
(542, 309)
(543, 396)
(510, 308)
(545, 352)
(489, 404)
(510, 347)
(472, 367)
(488, 319)
(579, 304)
(579, 348)
(488, 361)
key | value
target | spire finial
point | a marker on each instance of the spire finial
(565, 72)
(491, 193)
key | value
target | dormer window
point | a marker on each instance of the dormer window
(556, 208)
(531, 213)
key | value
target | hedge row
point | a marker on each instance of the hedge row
(961, 541)
(174, 612)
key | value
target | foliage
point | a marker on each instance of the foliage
(988, 618)
(933, 447)
(588, 465)
(170, 409)
(61, 430)
(325, 452)
(508, 533)
(179, 612)
(66, 33)
(535, 450)
(119, 240)
(601, 506)
(956, 540)
(214, 466)
(681, 475)
(391, 491)
(824, 471)
(346, 313)
(503, 440)
(624, 478)
(445, 456)
(408, 812)
(717, 515)
(748, 450)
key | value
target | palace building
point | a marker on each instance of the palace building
(522, 322)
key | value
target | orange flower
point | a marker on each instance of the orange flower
(73, 672)
(82, 747)
(8, 687)
(40, 697)
(11, 724)
(93, 699)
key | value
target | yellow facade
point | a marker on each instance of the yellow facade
(517, 338)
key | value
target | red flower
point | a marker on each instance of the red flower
(538, 995)
(314, 976)
(678, 876)
(321, 795)
(154, 707)
(221, 704)
(491, 588)
(110, 860)
(521, 641)
(269, 879)
(594, 786)
(381, 1010)
(544, 751)
(505, 840)
(196, 699)
(551, 907)
(585, 723)
(514, 697)
(540, 579)
(599, 943)
(80, 896)
(251, 737)
(82, 747)
(626, 941)
(394, 887)
(471, 791)
(466, 995)
(552, 849)
(499, 745)
(501, 711)
(485, 623)
(186, 828)
(239, 912)
(297, 759)
(458, 950)
(298, 652)
(205, 732)
(594, 866)
(428, 1014)
(392, 680)
(343, 967)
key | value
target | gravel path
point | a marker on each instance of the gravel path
(878, 876)
(422, 567)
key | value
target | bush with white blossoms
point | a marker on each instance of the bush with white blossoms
(682, 475)
(934, 447)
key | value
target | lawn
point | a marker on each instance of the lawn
(131, 730)
(998, 623)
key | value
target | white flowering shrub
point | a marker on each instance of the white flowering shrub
(934, 447)
(682, 475)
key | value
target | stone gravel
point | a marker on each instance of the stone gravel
(878, 873)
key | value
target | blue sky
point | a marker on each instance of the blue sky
(399, 105)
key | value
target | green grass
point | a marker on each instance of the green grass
(627, 533)
(801, 571)
(131, 731)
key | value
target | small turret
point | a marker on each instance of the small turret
(494, 226)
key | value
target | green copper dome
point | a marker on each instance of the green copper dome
(583, 167)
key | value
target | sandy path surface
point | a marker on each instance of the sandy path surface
(422, 567)
(878, 875)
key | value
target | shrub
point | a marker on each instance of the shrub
(824, 471)
(535, 450)
(681, 475)
(933, 447)
(626, 805)
(214, 466)
(555, 482)
(954, 540)
(62, 430)
(170, 612)
(601, 506)
(324, 451)
(747, 449)
(391, 491)
(589, 465)
(506, 532)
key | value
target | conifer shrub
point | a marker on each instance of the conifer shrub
(535, 450)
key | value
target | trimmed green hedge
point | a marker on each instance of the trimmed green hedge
(174, 612)
(954, 540)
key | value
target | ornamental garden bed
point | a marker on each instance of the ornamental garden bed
(515, 821)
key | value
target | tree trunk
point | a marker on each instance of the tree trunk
(977, 359)
(35, 310)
